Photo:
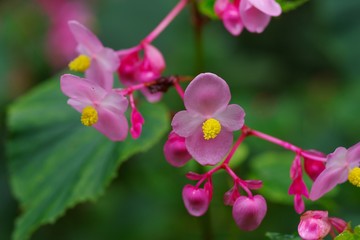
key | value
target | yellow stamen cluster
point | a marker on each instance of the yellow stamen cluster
(354, 176)
(80, 64)
(211, 128)
(89, 116)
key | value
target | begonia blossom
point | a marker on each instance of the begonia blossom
(208, 121)
(229, 13)
(256, 14)
(135, 69)
(98, 62)
(175, 150)
(104, 110)
(341, 165)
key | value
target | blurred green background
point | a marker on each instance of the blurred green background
(299, 81)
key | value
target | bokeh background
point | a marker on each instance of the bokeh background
(299, 81)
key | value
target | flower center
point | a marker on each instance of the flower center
(80, 64)
(211, 128)
(89, 116)
(354, 176)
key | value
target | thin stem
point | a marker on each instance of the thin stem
(179, 89)
(236, 145)
(166, 21)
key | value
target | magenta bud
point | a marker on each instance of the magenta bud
(339, 224)
(137, 121)
(175, 150)
(248, 212)
(314, 225)
(314, 168)
(254, 184)
(196, 200)
(193, 176)
(231, 196)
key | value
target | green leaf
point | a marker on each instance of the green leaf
(55, 162)
(206, 7)
(349, 235)
(280, 236)
(288, 5)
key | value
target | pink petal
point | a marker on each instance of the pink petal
(111, 124)
(337, 159)
(115, 103)
(220, 6)
(312, 228)
(81, 89)
(207, 94)
(353, 156)
(108, 59)
(253, 19)
(196, 200)
(175, 151)
(209, 152)
(185, 123)
(85, 38)
(232, 20)
(154, 57)
(298, 187)
(339, 224)
(151, 97)
(269, 7)
(137, 122)
(327, 180)
(232, 118)
(97, 74)
(299, 204)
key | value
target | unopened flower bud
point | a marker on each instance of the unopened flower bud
(314, 168)
(248, 212)
(175, 150)
(196, 200)
(314, 225)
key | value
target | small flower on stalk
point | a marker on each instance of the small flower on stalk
(98, 62)
(313, 168)
(208, 121)
(256, 14)
(175, 150)
(196, 200)
(341, 165)
(248, 212)
(104, 110)
(135, 69)
(230, 15)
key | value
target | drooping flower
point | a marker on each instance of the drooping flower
(229, 13)
(135, 69)
(248, 212)
(341, 165)
(98, 62)
(208, 121)
(256, 14)
(313, 168)
(175, 150)
(104, 110)
(317, 225)
(196, 200)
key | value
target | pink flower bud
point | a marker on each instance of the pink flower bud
(314, 168)
(248, 212)
(339, 224)
(175, 150)
(196, 200)
(137, 121)
(231, 196)
(314, 225)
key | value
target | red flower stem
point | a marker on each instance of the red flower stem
(132, 102)
(179, 89)
(236, 145)
(283, 144)
(166, 21)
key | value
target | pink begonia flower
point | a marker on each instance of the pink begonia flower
(317, 225)
(137, 121)
(196, 200)
(208, 121)
(248, 212)
(104, 110)
(60, 44)
(313, 168)
(256, 14)
(338, 166)
(98, 61)
(175, 150)
(135, 69)
(229, 13)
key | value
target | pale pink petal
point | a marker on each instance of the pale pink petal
(232, 20)
(154, 57)
(232, 119)
(108, 59)
(337, 159)
(269, 7)
(327, 180)
(85, 38)
(185, 123)
(115, 103)
(151, 97)
(353, 156)
(220, 6)
(112, 125)
(96, 73)
(207, 94)
(253, 19)
(79, 105)
(81, 89)
(209, 152)
(299, 204)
